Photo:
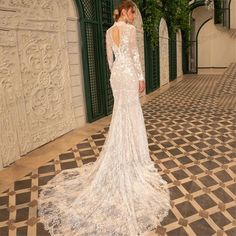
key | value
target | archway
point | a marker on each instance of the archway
(164, 52)
(210, 37)
(199, 14)
(179, 53)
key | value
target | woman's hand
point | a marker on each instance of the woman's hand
(141, 86)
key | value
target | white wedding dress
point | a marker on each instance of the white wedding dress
(121, 193)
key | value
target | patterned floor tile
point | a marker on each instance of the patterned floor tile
(191, 133)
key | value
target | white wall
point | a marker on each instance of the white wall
(164, 53)
(179, 53)
(233, 14)
(75, 64)
(216, 48)
(200, 14)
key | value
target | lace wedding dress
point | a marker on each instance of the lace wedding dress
(121, 193)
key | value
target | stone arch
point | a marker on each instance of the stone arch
(209, 38)
(179, 53)
(199, 15)
(36, 104)
(164, 52)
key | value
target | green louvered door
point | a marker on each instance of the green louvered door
(95, 18)
(172, 56)
(106, 17)
(185, 55)
(91, 60)
(152, 66)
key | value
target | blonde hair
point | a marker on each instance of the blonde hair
(125, 4)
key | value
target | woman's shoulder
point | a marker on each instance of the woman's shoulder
(128, 26)
(108, 29)
(132, 26)
(121, 24)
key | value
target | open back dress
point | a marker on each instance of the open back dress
(121, 193)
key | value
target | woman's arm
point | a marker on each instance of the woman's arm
(135, 53)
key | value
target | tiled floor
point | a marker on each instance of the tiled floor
(45, 153)
(192, 139)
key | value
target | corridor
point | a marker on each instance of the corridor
(191, 130)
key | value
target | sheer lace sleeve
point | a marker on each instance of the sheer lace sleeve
(109, 50)
(135, 53)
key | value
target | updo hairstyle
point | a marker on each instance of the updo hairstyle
(125, 4)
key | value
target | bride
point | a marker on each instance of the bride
(121, 193)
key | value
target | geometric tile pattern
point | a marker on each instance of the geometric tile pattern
(191, 131)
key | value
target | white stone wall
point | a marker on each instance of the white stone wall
(179, 53)
(233, 14)
(164, 53)
(41, 79)
(200, 14)
(75, 64)
(216, 44)
(216, 48)
(76, 71)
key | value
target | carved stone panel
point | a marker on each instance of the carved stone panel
(9, 97)
(35, 86)
(164, 52)
(46, 85)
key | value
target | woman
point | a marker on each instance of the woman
(122, 192)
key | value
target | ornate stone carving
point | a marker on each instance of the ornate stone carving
(9, 97)
(164, 52)
(17, 19)
(35, 87)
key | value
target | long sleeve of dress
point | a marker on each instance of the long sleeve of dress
(109, 50)
(135, 54)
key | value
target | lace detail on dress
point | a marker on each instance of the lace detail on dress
(135, 53)
(121, 193)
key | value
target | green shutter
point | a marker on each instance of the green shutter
(95, 19)
(172, 56)
(218, 11)
(185, 56)
(107, 21)
(152, 65)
